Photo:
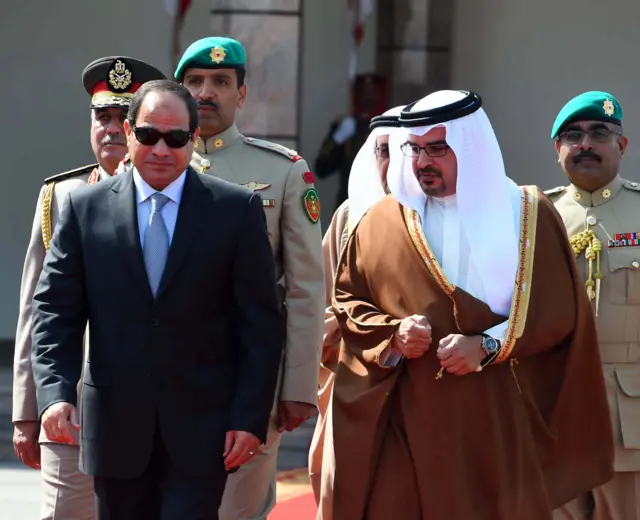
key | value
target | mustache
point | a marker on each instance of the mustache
(209, 103)
(430, 170)
(120, 140)
(585, 155)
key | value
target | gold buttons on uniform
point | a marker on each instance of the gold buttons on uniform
(591, 220)
(635, 264)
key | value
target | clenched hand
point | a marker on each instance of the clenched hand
(413, 337)
(461, 355)
(292, 414)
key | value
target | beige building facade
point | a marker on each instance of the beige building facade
(525, 58)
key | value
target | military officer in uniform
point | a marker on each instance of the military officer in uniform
(347, 135)
(601, 212)
(213, 69)
(111, 83)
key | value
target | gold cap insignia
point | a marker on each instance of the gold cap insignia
(119, 76)
(218, 55)
(255, 186)
(608, 107)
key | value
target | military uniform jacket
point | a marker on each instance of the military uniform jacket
(613, 214)
(53, 195)
(292, 210)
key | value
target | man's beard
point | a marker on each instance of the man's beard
(430, 172)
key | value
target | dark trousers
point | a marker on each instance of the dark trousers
(162, 492)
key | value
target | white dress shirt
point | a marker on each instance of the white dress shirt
(169, 211)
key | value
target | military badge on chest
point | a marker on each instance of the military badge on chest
(624, 240)
(259, 186)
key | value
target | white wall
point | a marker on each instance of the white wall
(45, 110)
(528, 58)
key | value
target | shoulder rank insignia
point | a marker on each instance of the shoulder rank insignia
(630, 185)
(290, 154)
(47, 199)
(255, 186)
(311, 203)
(555, 191)
(71, 173)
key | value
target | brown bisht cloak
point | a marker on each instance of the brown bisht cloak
(511, 442)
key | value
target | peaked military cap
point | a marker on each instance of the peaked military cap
(470, 103)
(113, 80)
(589, 106)
(215, 52)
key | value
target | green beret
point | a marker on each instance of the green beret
(590, 106)
(113, 80)
(212, 53)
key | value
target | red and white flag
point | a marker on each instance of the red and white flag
(360, 11)
(177, 9)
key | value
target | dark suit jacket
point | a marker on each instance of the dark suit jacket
(199, 360)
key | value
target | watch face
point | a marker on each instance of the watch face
(490, 345)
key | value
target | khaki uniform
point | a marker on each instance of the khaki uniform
(613, 214)
(322, 466)
(282, 178)
(67, 493)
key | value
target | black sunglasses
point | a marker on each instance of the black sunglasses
(149, 136)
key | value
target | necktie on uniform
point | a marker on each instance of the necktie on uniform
(156, 242)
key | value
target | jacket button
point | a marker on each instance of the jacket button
(155, 322)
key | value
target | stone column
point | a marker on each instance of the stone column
(414, 46)
(270, 33)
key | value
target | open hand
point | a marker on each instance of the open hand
(239, 448)
(25, 442)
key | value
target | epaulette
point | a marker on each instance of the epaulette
(71, 173)
(47, 198)
(290, 154)
(631, 185)
(554, 191)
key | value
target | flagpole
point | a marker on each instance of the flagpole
(175, 40)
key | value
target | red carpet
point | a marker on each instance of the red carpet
(295, 499)
(299, 508)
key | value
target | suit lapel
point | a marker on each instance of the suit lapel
(190, 217)
(125, 219)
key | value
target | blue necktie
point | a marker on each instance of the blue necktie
(156, 242)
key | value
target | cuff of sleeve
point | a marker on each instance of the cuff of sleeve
(388, 356)
(24, 409)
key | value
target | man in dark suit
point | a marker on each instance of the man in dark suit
(174, 273)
